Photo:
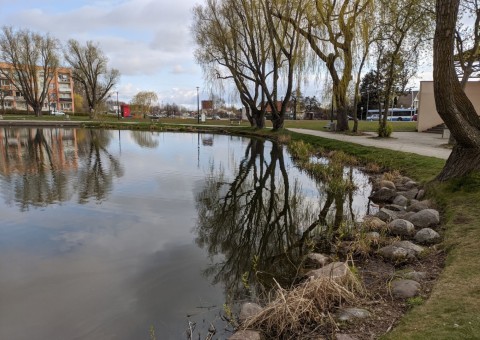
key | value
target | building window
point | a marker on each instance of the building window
(4, 82)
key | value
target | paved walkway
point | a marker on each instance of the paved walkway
(425, 144)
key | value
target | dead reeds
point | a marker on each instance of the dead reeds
(306, 308)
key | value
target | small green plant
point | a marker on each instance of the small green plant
(245, 277)
(385, 130)
(300, 150)
(415, 301)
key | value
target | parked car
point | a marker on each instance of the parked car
(216, 117)
(415, 117)
(57, 113)
(374, 117)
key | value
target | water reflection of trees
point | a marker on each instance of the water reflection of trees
(41, 166)
(259, 222)
(144, 139)
(99, 166)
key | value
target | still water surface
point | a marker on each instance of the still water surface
(121, 234)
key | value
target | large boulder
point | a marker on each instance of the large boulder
(404, 289)
(383, 195)
(335, 270)
(427, 236)
(401, 227)
(248, 310)
(425, 218)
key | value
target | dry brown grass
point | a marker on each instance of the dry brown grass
(306, 308)
(391, 175)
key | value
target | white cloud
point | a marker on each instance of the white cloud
(148, 41)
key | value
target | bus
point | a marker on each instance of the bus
(394, 114)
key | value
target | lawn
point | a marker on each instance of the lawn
(301, 124)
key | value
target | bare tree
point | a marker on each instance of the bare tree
(240, 41)
(329, 26)
(467, 41)
(90, 71)
(406, 26)
(34, 60)
(453, 105)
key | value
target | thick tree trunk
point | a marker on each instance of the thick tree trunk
(461, 161)
(452, 103)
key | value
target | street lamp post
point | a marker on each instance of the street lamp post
(118, 109)
(198, 107)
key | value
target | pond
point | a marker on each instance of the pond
(126, 234)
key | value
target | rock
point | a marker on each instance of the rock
(404, 289)
(396, 254)
(409, 246)
(410, 184)
(400, 251)
(420, 205)
(247, 334)
(334, 270)
(394, 207)
(317, 259)
(400, 200)
(374, 223)
(383, 195)
(416, 276)
(249, 309)
(405, 215)
(410, 194)
(387, 184)
(427, 236)
(349, 314)
(425, 218)
(386, 215)
(373, 236)
(401, 227)
(421, 194)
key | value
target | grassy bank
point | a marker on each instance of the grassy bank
(300, 124)
(453, 309)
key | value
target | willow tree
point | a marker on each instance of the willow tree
(406, 26)
(238, 40)
(330, 28)
(34, 61)
(452, 103)
(144, 100)
(91, 72)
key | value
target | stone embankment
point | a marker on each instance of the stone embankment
(410, 225)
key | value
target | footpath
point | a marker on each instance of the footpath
(421, 143)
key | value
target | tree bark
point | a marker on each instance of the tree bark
(452, 103)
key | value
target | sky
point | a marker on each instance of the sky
(148, 41)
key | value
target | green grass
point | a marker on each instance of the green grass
(300, 124)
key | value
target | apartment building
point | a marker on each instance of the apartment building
(60, 92)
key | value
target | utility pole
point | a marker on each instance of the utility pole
(198, 107)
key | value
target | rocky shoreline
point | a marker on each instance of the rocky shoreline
(395, 270)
